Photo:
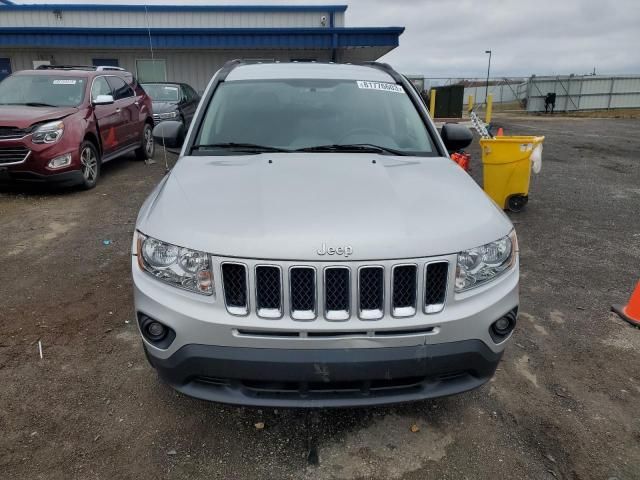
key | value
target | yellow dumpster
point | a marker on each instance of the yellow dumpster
(507, 164)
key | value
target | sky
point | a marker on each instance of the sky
(448, 38)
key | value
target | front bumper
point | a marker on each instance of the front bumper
(327, 378)
(253, 361)
(64, 179)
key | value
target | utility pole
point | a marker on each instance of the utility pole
(486, 91)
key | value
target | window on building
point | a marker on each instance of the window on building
(5, 67)
(151, 70)
(105, 62)
(120, 88)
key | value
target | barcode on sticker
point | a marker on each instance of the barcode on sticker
(386, 87)
(64, 82)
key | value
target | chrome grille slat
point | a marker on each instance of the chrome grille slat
(302, 292)
(13, 154)
(435, 286)
(337, 293)
(234, 284)
(371, 292)
(268, 282)
(404, 284)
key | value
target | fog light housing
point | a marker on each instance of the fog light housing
(60, 162)
(502, 328)
(154, 332)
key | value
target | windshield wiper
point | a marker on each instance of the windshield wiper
(355, 147)
(245, 147)
(37, 104)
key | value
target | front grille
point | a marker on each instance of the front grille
(9, 133)
(268, 291)
(335, 290)
(234, 280)
(405, 283)
(371, 288)
(13, 154)
(302, 281)
(337, 293)
(435, 286)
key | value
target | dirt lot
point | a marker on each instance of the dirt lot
(563, 404)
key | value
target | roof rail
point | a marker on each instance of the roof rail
(95, 68)
(102, 68)
(227, 67)
(385, 67)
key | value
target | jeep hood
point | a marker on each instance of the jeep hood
(22, 116)
(286, 206)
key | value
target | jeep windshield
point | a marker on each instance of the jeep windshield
(324, 116)
(42, 90)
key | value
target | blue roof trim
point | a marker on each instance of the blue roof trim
(234, 38)
(175, 8)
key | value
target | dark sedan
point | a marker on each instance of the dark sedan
(172, 101)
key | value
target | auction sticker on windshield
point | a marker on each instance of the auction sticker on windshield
(64, 82)
(386, 87)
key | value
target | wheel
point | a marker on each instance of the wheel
(90, 165)
(147, 146)
(516, 203)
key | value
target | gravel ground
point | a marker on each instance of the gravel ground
(563, 404)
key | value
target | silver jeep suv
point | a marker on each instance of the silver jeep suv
(315, 246)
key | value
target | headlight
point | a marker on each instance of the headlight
(480, 265)
(166, 116)
(48, 133)
(177, 266)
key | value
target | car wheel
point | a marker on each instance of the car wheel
(147, 145)
(89, 165)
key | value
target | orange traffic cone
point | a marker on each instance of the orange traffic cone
(630, 313)
(500, 132)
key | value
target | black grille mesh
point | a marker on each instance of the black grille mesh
(436, 283)
(12, 154)
(371, 288)
(268, 287)
(303, 292)
(404, 286)
(336, 289)
(235, 284)
(13, 132)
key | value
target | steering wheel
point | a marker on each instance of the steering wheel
(361, 131)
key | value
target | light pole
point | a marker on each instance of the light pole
(486, 91)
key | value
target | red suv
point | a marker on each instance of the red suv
(58, 124)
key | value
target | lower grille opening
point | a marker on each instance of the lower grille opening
(268, 333)
(336, 334)
(13, 154)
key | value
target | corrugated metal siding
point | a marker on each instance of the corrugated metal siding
(195, 68)
(584, 92)
(119, 19)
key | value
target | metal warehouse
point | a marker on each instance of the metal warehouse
(182, 43)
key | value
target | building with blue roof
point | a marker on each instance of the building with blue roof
(182, 43)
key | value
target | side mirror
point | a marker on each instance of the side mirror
(103, 100)
(168, 133)
(455, 137)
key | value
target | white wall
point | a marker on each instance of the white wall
(115, 19)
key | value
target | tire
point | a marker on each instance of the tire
(516, 203)
(147, 146)
(90, 163)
